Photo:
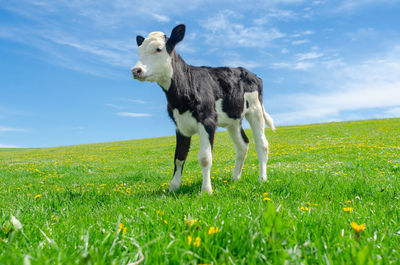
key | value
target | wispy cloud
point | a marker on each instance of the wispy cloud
(276, 14)
(114, 106)
(299, 42)
(10, 129)
(8, 146)
(133, 115)
(352, 5)
(161, 18)
(137, 101)
(223, 29)
(308, 56)
(369, 84)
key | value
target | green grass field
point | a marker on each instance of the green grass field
(109, 203)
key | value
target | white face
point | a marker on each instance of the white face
(154, 63)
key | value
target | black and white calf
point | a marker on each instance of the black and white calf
(202, 98)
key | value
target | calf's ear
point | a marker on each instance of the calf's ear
(139, 40)
(177, 35)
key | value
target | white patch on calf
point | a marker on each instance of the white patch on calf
(223, 118)
(186, 123)
(156, 66)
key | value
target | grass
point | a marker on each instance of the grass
(109, 203)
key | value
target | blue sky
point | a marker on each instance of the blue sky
(65, 65)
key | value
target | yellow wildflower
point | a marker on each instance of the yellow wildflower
(348, 209)
(165, 221)
(37, 196)
(265, 194)
(213, 230)
(267, 199)
(160, 212)
(348, 202)
(197, 242)
(122, 227)
(304, 208)
(358, 228)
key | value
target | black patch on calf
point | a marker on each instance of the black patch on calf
(198, 88)
(244, 136)
(182, 148)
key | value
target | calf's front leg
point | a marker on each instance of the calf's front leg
(206, 134)
(181, 152)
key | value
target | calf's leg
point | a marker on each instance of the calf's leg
(257, 123)
(181, 152)
(205, 155)
(241, 142)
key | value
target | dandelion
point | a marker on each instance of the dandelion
(357, 228)
(191, 222)
(348, 202)
(122, 227)
(197, 242)
(267, 199)
(265, 194)
(304, 208)
(160, 212)
(213, 230)
(165, 221)
(348, 209)
(37, 196)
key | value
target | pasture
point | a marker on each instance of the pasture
(109, 203)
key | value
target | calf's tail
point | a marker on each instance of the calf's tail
(268, 120)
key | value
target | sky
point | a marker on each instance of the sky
(65, 74)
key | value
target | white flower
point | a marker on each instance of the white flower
(17, 224)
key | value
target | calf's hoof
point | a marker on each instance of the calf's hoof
(206, 190)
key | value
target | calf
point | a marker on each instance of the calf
(202, 98)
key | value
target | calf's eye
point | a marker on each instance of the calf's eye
(158, 50)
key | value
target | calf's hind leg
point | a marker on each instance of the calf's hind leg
(241, 142)
(257, 123)
(181, 152)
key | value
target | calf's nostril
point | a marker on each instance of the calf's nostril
(137, 71)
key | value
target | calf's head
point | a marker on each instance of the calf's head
(155, 64)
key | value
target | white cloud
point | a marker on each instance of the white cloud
(138, 101)
(10, 129)
(133, 115)
(273, 13)
(299, 42)
(308, 56)
(285, 51)
(371, 84)
(353, 5)
(161, 18)
(292, 66)
(8, 146)
(222, 29)
(114, 106)
(393, 112)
